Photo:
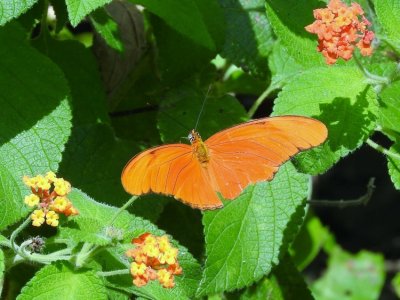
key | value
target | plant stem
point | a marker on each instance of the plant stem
(346, 203)
(260, 100)
(383, 150)
(113, 273)
(121, 209)
(16, 232)
(83, 254)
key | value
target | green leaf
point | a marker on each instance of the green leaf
(342, 100)
(388, 13)
(285, 282)
(394, 165)
(107, 28)
(348, 276)
(35, 120)
(79, 9)
(249, 38)
(288, 19)
(184, 16)
(396, 284)
(246, 238)
(389, 110)
(60, 281)
(181, 107)
(93, 161)
(308, 242)
(12, 9)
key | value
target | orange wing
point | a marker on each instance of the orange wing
(253, 151)
(170, 170)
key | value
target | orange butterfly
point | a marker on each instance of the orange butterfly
(227, 162)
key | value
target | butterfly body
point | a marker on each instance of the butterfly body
(200, 149)
(226, 163)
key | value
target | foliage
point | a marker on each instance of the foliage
(87, 84)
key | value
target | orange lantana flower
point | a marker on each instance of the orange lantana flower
(341, 28)
(154, 258)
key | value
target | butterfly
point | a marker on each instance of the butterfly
(226, 163)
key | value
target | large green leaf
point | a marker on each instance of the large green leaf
(249, 37)
(35, 119)
(246, 238)
(388, 12)
(288, 19)
(342, 100)
(79, 9)
(351, 277)
(11, 9)
(61, 281)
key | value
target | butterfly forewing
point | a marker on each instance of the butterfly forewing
(170, 170)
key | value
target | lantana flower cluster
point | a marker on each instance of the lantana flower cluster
(154, 258)
(340, 28)
(49, 196)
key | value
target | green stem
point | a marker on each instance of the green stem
(121, 209)
(83, 254)
(16, 232)
(260, 100)
(383, 150)
(346, 203)
(5, 243)
(113, 273)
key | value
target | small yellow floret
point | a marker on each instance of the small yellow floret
(138, 269)
(37, 217)
(165, 278)
(61, 186)
(42, 182)
(169, 256)
(151, 250)
(32, 200)
(163, 243)
(31, 182)
(50, 176)
(60, 203)
(52, 218)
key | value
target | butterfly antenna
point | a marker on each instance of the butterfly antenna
(202, 107)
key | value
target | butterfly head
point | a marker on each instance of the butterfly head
(194, 136)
